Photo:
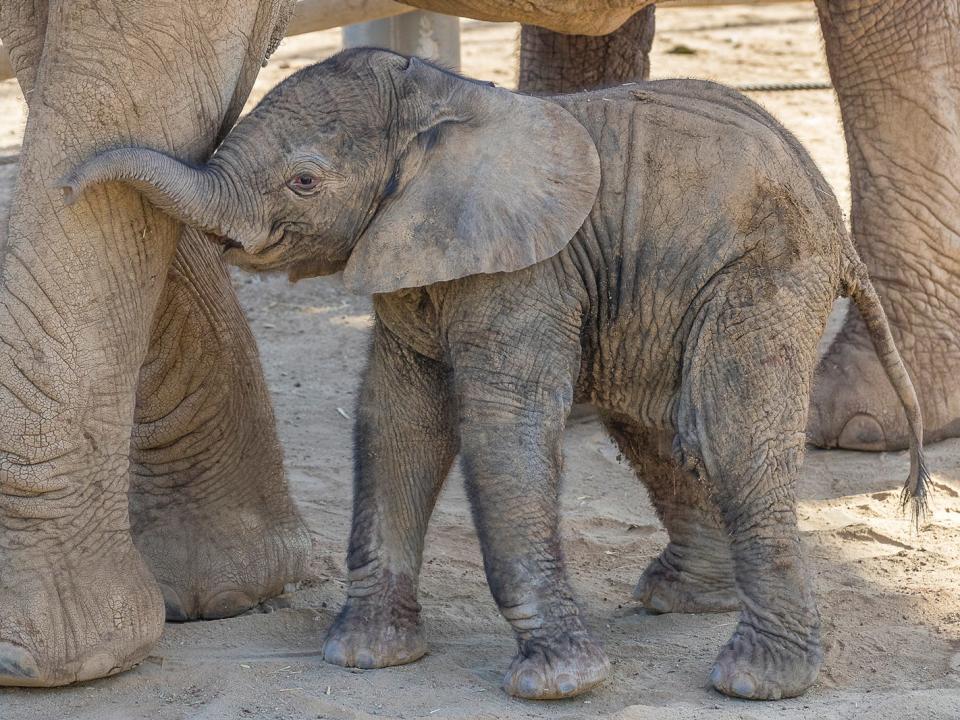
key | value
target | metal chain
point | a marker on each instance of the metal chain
(783, 87)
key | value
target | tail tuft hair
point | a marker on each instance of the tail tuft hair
(914, 491)
(863, 294)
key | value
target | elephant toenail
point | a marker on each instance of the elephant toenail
(365, 660)
(528, 684)
(176, 610)
(16, 664)
(744, 687)
(716, 676)
(226, 604)
(566, 685)
(335, 653)
(861, 432)
(97, 666)
(656, 603)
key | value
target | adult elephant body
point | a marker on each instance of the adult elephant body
(100, 300)
(127, 370)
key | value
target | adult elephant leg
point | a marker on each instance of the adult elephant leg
(896, 67)
(24, 25)
(551, 62)
(211, 510)
(79, 289)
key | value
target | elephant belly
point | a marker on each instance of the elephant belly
(633, 372)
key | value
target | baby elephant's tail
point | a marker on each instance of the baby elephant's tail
(861, 291)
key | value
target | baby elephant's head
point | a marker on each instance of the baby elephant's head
(397, 172)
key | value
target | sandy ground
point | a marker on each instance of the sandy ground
(889, 595)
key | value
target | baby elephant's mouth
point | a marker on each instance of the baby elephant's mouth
(226, 243)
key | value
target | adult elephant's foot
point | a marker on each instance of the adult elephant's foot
(217, 562)
(68, 620)
(376, 631)
(220, 536)
(903, 152)
(853, 405)
(556, 667)
(759, 666)
(671, 585)
(209, 502)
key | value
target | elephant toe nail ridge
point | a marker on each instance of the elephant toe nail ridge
(365, 660)
(528, 684)
(226, 604)
(566, 684)
(176, 610)
(861, 432)
(335, 653)
(98, 665)
(16, 665)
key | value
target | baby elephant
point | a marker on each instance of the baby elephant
(665, 251)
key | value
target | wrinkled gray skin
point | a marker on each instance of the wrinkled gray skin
(140, 472)
(665, 251)
(122, 347)
(895, 66)
(898, 103)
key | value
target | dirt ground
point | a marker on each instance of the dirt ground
(889, 595)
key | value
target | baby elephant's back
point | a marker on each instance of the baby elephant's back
(699, 185)
(697, 176)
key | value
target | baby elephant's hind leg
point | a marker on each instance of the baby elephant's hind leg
(694, 573)
(742, 416)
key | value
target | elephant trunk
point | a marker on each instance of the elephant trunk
(198, 196)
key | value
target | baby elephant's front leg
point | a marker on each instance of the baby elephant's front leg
(404, 447)
(512, 461)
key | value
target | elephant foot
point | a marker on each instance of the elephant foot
(667, 587)
(375, 632)
(562, 667)
(759, 666)
(853, 405)
(69, 622)
(217, 563)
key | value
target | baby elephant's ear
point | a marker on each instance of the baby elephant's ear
(493, 182)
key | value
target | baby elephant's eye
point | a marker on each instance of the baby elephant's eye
(303, 183)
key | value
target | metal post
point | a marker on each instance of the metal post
(425, 34)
